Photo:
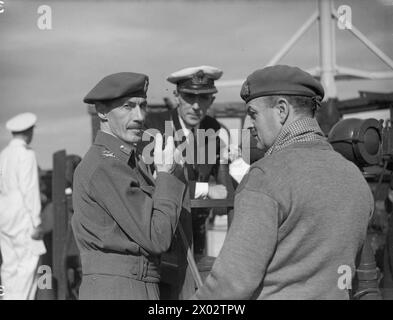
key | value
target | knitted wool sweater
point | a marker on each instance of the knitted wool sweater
(301, 217)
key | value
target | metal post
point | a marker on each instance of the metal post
(333, 37)
(326, 51)
(367, 275)
(60, 223)
(374, 49)
(285, 49)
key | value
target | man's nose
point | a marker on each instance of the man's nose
(139, 114)
(195, 105)
(247, 122)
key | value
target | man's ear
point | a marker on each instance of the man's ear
(101, 111)
(212, 99)
(177, 97)
(102, 116)
(282, 109)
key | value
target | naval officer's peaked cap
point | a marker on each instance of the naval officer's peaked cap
(21, 122)
(119, 85)
(280, 80)
(196, 80)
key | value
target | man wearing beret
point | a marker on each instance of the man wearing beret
(124, 216)
(301, 213)
(194, 95)
(20, 207)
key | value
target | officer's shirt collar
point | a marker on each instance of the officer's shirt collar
(119, 149)
(18, 142)
(186, 131)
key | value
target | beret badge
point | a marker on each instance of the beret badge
(146, 85)
(245, 90)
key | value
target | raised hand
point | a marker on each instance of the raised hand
(164, 159)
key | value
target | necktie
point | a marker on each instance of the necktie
(194, 133)
(191, 168)
(132, 159)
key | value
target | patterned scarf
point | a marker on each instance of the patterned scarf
(303, 130)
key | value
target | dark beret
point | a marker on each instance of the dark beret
(280, 80)
(119, 85)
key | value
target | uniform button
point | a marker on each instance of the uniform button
(124, 149)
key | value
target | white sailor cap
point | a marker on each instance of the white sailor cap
(21, 122)
(197, 80)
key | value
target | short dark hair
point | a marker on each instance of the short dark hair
(302, 105)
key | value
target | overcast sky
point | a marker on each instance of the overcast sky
(49, 72)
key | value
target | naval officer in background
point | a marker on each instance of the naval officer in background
(20, 208)
(194, 95)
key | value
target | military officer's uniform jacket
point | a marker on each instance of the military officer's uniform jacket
(124, 219)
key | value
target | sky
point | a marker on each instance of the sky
(48, 72)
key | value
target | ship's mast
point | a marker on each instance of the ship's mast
(328, 71)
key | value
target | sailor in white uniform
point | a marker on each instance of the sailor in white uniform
(20, 208)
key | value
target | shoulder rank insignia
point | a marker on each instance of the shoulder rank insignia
(108, 154)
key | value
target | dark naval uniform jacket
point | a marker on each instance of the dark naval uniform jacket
(199, 172)
(175, 269)
(124, 219)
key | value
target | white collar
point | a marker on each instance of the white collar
(18, 142)
(184, 128)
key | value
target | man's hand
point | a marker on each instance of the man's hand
(164, 160)
(230, 154)
(217, 191)
(234, 152)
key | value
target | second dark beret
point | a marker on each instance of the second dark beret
(280, 80)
